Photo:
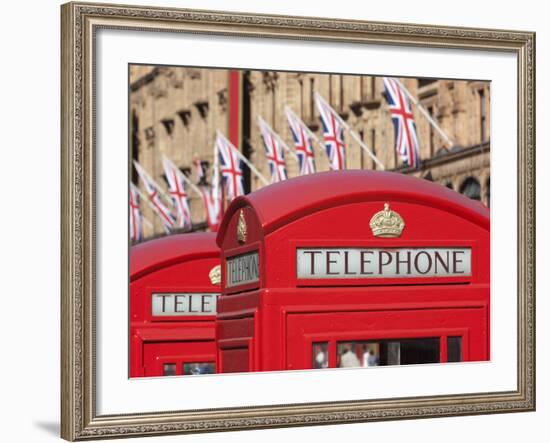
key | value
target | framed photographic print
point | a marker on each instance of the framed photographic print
(281, 221)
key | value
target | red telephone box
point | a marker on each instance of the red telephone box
(174, 285)
(353, 268)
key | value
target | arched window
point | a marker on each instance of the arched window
(441, 152)
(471, 188)
(135, 144)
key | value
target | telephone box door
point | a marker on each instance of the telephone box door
(388, 337)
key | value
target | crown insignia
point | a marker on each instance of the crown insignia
(387, 223)
(241, 228)
(215, 275)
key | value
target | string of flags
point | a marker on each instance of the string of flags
(227, 179)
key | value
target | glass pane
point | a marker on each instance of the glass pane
(169, 369)
(419, 350)
(199, 368)
(393, 353)
(348, 355)
(454, 349)
(369, 354)
(320, 355)
(366, 354)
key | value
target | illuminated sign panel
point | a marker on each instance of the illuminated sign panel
(174, 304)
(327, 263)
(243, 269)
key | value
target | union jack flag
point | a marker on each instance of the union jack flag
(406, 139)
(333, 133)
(274, 152)
(302, 144)
(176, 189)
(136, 226)
(153, 194)
(212, 207)
(231, 167)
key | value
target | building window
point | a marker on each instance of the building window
(425, 81)
(362, 151)
(273, 109)
(471, 188)
(373, 88)
(373, 146)
(168, 124)
(135, 144)
(301, 82)
(341, 92)
(432, 133)
(312, 98)
(482, 115)
(330, 89)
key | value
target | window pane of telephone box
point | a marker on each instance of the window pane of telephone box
(365, 354)
(355, 354)
(348, 354)
(454, 349)
(199, 368)
(320, 355)
(169, 369)
(419, 350)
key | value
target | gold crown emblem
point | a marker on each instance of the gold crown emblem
(215, 275)
(241, 228)
(387, 223)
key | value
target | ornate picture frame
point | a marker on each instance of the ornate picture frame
(80, 23)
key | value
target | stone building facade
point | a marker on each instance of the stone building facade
(176, 111)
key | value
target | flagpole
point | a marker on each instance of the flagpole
(352, 132)
(309, 131)
(290, 151)
(425, 113)
(245, 160)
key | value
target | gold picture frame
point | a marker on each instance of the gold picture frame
(80, 21)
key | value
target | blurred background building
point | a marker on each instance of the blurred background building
(176, 111)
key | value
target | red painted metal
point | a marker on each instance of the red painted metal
(173, 264)
(235, 107)
(271, 324)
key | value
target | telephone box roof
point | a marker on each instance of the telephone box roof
(281, 203)
(155, 254)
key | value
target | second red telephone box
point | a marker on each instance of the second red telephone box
(174, 285)
(353, 268)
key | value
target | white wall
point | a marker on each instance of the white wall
(29, 223)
